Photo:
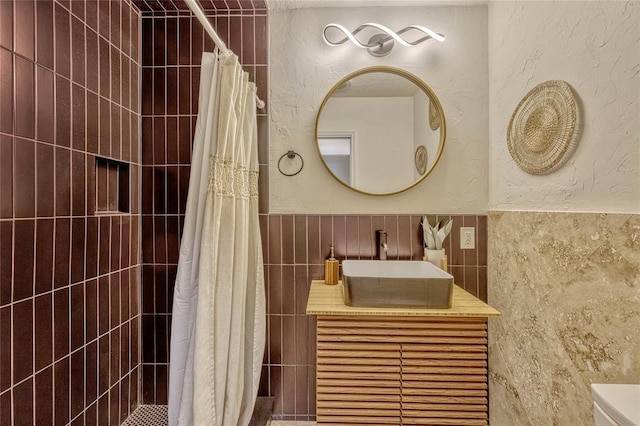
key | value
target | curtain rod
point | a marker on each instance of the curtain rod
(197, 11)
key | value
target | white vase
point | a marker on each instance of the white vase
(434, 256)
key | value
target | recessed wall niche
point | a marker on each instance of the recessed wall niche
(112, 186)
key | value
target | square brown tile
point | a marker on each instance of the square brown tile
(77, 317)
(25, 111)
(288, 340)
(61, 391)
(62, 40)
(116, 132)
(92, 122)
(125, 341)
(44, 396)
(103, 365)
(78, 50)
(103, 410)
(92, 60)
(91, 373)
(159, 85)
(104, 111)
(287, 239)
(91, 257)
(161, 341)
(104, 18)
(115, 75)
(77, 382)
(78, 184)
(159, 48)
(24, 178)
(148, 342)
(6, 269)
(125, 36)
(63, 112)
(126, 135)
(61, 323)
(6, 176)
(367, 238)
(104, 66)
(78, 108)
(23, 402)
(114, 295)
(43, 340)
(45, 125)
(274, 286)
(159, 141)
(275, 339)
(23, 251)
(6, 87)
(24, 28)
(289, 383)
(45, 233)
(135, 34)
(6, 406)
(248, 45)
(6, 24)
(5, 348)
(261, 40)
(116, 22)
(61, 276)
(22, 340)
(125, 81)
(63, 181)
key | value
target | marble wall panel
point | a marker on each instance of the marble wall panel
(568, 287)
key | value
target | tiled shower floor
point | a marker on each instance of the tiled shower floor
(156, 415)
(148, 415)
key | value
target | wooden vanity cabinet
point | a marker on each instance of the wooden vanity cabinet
(401, 370)
(395, 366)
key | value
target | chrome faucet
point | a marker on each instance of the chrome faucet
(383, 248)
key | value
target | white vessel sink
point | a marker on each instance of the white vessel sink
(396, 284)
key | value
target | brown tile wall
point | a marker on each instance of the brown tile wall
(69, 278)
(295, 247)
(173, 43)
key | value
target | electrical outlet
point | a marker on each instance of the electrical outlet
(467, 237)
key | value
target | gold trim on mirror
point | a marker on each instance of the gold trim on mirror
(434, 104)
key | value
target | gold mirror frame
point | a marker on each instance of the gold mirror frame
(434, 101)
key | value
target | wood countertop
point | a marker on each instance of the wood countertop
(328, 300)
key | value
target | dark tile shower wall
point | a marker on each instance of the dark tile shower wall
(295, 247)
(69, 278)
(173, 43)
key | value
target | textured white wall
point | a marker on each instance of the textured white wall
(303, 68)
(595, 47)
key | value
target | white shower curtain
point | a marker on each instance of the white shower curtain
(218, 318)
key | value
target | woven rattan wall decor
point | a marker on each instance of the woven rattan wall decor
(434, 117)
(543, 129)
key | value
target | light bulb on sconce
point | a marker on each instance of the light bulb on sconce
(380, 44)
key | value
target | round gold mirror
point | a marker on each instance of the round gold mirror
(380, 130)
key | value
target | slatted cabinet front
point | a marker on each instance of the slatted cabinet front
(401, 370)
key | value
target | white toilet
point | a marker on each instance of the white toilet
(616, 405)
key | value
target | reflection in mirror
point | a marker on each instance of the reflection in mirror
(336, 151)
(371, 125)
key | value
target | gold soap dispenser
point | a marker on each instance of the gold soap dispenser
(331, 269)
